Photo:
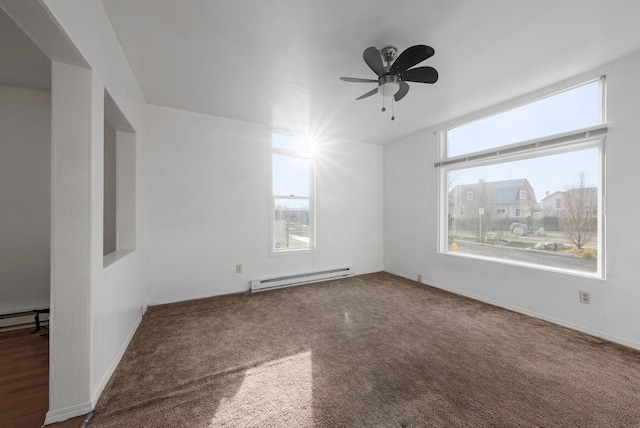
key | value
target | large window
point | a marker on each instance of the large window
(536, 176)
(292, 213)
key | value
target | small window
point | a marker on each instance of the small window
(517, 212)
(292, 195)
(458, 212)
(501, 211)
(558, 203)
(523, 194)
(469, 196)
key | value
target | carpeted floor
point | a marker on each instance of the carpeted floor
(370, 351)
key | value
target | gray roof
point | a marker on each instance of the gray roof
(506, 191)
(592, 191)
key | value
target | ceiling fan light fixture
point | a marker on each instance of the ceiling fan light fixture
(388, 85)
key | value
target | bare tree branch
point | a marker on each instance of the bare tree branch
(579, 218)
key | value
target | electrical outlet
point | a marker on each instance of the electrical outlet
(585, 297)
(419, 278)
(238, 268)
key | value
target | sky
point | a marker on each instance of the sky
(573, 109)
(291, 174)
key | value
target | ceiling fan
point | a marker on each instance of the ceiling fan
(393, 77)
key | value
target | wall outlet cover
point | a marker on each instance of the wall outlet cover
(585, 297)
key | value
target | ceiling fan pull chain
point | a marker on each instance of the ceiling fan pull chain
(393, 109)
(383, 108)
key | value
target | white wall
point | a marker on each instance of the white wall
(69, 353)
(411, 222)
(25, 168)
(96, 310)
(208, 206)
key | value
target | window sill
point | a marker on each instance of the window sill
(279, 253)
(114, 257)
(583, 274)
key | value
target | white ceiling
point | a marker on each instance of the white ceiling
(22, 63)
(277, 62)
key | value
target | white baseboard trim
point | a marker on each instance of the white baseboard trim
(367, 272)
(196, 297)
(591, 332)
(112, 368)
(243, 290)
(67, 413)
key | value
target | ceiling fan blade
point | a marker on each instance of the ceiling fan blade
(420, 74)
(368, 94)
(404, 88)
(374, 60)
(410, 57)
(357, 79)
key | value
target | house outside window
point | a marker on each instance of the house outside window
(505, 216)
(469, 196)
(292, 195)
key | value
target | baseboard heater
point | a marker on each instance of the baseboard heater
(303, 278)
(25, 319)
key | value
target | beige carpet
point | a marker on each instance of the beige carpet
(370, 351)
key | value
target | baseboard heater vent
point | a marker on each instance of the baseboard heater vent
(303, 278)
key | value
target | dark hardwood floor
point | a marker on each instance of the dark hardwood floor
(24, 381)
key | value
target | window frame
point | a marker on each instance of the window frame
(575, 140)
(272, 197)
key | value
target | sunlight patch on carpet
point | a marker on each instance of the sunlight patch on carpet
(277, 393)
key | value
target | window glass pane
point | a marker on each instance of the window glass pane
(291, 224)
(542, 210)
(573, 109)
(291, 176)
(287, 142)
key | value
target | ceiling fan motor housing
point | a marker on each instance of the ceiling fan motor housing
(388, 85)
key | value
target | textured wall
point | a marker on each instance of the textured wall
(95, 310)
(25, 168)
